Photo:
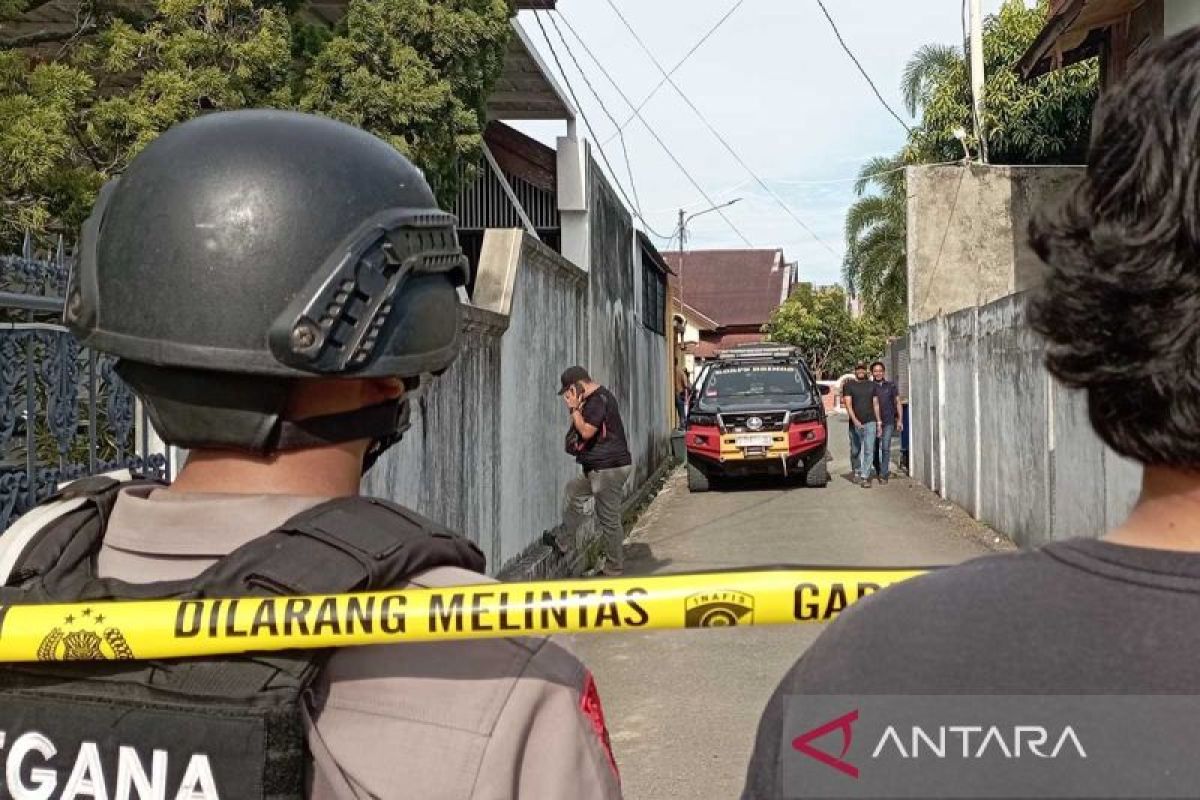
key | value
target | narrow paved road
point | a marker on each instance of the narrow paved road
(682, 706)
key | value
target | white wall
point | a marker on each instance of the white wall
(993, 432)
(1179, 15)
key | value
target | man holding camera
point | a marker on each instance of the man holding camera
(597, 440)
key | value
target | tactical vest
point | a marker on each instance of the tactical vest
(221, 727)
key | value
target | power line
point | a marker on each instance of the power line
(588, 124)
(599, 101)
(679, 64)
(787, 209)
(652, 132)
(862, 71)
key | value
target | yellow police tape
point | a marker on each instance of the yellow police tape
(180, 628)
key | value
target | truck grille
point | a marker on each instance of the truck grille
(740, 422)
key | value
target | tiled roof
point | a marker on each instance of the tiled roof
(732, 287)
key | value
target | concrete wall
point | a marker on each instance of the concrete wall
(995, 433)
(446, 466)
(546, 334)
(485, 453)
(1179, 15)
(967, 242)
(623, 354)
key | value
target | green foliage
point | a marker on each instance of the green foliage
(425, 91)
(1043, 122)
(819, 322)
(414, 72)
(875, 267)
(1046, 121)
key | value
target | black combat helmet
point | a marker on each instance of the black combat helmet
(243, 250)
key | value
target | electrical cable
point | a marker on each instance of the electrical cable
(862, 71)
(651, 130)
(679, 64)
(600, 102)
(588, 124)
(728, 147)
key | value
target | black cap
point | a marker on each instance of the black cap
(572, 376)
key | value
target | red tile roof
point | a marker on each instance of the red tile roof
(732, 287)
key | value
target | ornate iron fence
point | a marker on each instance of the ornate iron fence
(64, 413)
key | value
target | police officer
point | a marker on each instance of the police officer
(275, 285)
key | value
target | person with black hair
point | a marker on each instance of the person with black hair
(890, 420)
(1120, 313)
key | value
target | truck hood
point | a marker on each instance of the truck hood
(787, 402)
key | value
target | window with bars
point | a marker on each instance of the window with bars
(654, 296)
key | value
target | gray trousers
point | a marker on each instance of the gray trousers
(607, 487)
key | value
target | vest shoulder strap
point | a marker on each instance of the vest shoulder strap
(345, 544)
(95, 495)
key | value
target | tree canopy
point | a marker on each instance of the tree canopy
(73, 113)
(819, 322)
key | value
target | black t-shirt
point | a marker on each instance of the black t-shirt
(608, 448)
(861, 394)
(1074, 617)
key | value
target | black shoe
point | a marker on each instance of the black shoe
(883, 481)
(865, 483)
(551, 541)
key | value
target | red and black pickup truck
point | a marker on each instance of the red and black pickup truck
(757, 411)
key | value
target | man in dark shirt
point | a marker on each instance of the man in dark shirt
(862, 406)
(597, 440)
(890, 421)
(1115, 616)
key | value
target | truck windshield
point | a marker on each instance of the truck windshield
(756, 381)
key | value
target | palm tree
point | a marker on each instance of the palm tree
(875, 267)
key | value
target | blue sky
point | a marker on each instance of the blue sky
(775, 83)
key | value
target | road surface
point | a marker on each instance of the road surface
(682, 706)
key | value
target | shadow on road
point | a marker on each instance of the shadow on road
(640, 559)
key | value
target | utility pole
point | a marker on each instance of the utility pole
(976, 42)
(682, 233)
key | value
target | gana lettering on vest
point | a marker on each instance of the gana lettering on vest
(30, 772)
(55, 750)
(93, 711)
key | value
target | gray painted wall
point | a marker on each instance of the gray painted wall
(485, 454)
(1019, 453)
(546, 334)
(967, 242)
(445, 466)
(622, 353)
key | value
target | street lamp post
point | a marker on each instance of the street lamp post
(683, 221)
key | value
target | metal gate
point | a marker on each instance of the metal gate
(64, 413)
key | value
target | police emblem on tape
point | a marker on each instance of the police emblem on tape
(84, 638)
(718, 609)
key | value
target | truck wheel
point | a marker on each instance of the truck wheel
(817, 475)
(697, 480)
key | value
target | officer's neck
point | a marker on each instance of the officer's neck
(331, 471)
(1167, 514)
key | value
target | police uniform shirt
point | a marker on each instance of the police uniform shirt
(464, 720)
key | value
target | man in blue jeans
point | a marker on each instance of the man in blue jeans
(890, 420)
(862, 406)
